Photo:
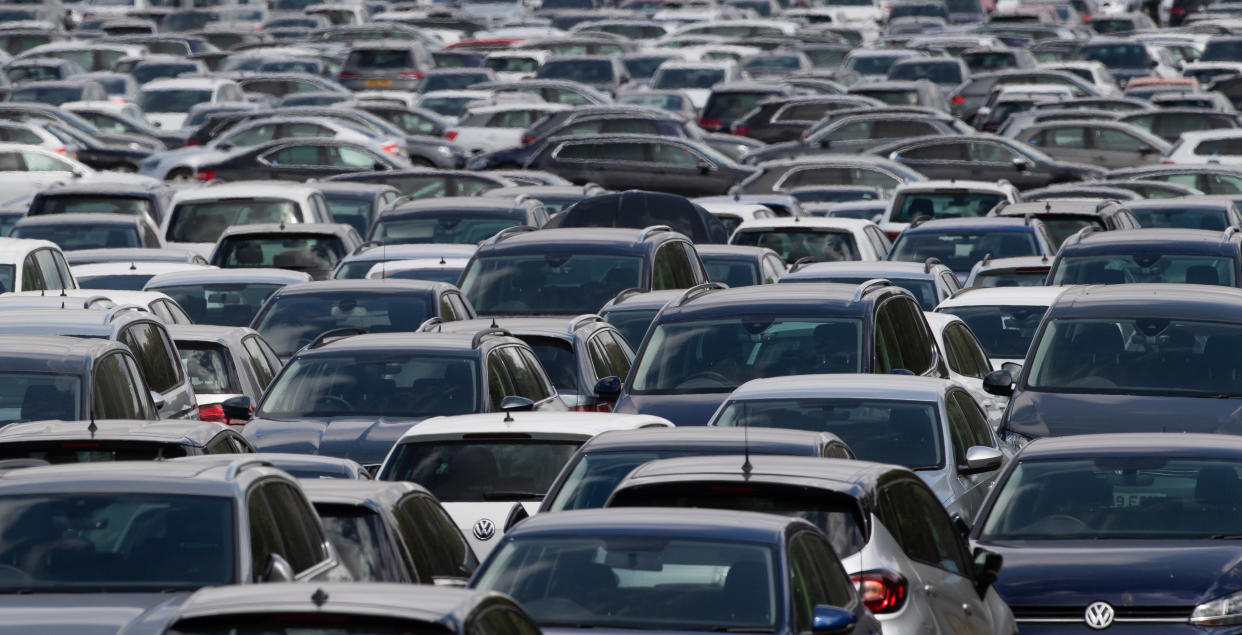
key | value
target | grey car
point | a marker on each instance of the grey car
(118, 440)
(224, 362)
(1107, 144)
(223, 297)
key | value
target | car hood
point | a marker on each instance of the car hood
(167, 120)
(88, 613)
(1041, 414)
(363, 439)
(682, 410)
(1120, 572)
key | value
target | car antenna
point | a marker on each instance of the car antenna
(746, 466)
(384, 261)
(319, 597)
(442, 261)
(133, 266)
(493, 326)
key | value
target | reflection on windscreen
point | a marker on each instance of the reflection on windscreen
(681, 584)
(1117, 497)
(899, 432)
(81, 236)
(933, 205)
(207, 366)
(116, 282)
(284, 251)
(1019, 277)
(448, 229)
(1138, 356)
(225, 304)
(482, 470)
(294, 320)
(90, 451)
(373, 386)
(720, 355)
(1003, 331)
(960, 251)
(171, 100)
(204, 222)
(1145, 267)
(556, 283)
(36, 396)
(792, 244)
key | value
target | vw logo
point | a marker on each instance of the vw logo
(485, 529)
(1099, 615)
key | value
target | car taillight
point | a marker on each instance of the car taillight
(193, 142)
(958, 100)
(347, 75)
(62, 150)
(215, 412)
(1176, 10)
(206, 175)
(881, 591)
(411, 74)
(528, 139)
(710, 124)
(742, 131)
(391, 148)
(450, 135)
(892, 235)
(1168, 162)
(120, 100)
(602, 406)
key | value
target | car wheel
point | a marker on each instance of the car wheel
(179, 174)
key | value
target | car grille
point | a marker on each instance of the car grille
(1132, 614)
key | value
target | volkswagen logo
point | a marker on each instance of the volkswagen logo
(1098, 616)
(485, 529)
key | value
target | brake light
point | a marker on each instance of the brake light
(892, 235)
(215, 412)
(347, 75)
(1176, 10)
(602, 406)
(710, 124)
(78, 445)
(391, 148)
(62, 150)
(528, 139)
(206, 175)
(120, 100)
(411, 74)
(1168, 162)
(193, 142)
(958, 100)
(450, 135)
(881, 591)
(742, 131)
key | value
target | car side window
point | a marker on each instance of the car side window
(48, 270)
(221, 444)
(138, 383)
(541, 386)
(951, 283)
(922, 527)
(176, 314)
(671, 269)
(877, 239)
(916, 340)
(160, 310)
(263, 372)
(448, 312)
(832, 577)
(620, 355)
(973, 362)
(115, 395)
(66, 276)
(959, 429)
(32, 277)
(423, 539)
(295, 155)
(264, 534)
(298, 526)
(600, 361)
(808, 592)
(977, 429)
(461, 562)
(887, 352)
(698, 271)
(500, 620)
(150, 346)
(499, 383)
(773, 269)
(937, 152)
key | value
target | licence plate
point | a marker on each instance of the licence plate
(378, 83)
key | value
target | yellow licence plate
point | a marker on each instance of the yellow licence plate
(378, 83)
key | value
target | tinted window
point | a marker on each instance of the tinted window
(554, 283)
(1097, 268)
(292, 321)
(447, 228)
(203, 222)
(224, 304)
(155, 355)
(361, 539)
(209, 367)
(262, 369)
(298, 526)
(375, 384)
(115, 394)
(932, 205)
(792, 244)
(480, 469)
(1002, 331)
(960, 250)
(921, 526)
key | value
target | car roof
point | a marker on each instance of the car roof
(732, 250)
(814, 298)
(1164, 445)
(428, 603)
(361, 285)
(225, 276)
(682, 522)
(1162, 239)
(554, 425)
(376, 251)
(870, 386)
(247, 189)
(973, 223)
(186, 83)
(184, 431)
(104, 189)
(872, 269)
(1159, 301)
(946, 184)
(397, 342)
(452, 203)
(848, 476)
(574, 239)
(1003, 296)
(208, 333)
(214, 475)
(38, 353)
(340, 230)
(804, 222)
(357, 491)
(138, 267)
(706, 439)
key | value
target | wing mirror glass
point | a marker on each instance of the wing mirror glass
(999, 383)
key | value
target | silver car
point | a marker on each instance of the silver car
(932, 426)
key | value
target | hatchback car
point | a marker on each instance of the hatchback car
(961, 242)
(1102, 143)
(816, 239)
(33, 265)
(224, 362)
(984, 157)
(90, 231)
(314, 248)
(367, 256)
(1022, 271)
(222, 297)
(199, 216)
(1064, 218)
(929, 282)
(465, 219)
(930, 200)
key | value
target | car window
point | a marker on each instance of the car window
(459, 305)
(115, 394)
(598, 355)
(252, 136)
(32, 277)
(48, 271)
(346, 157)
(967, 356)
(991, 153)
(260, 366)
(155, 354)
(619, 353)
(448, 312)
(804, 578)
(36, 162)
(977, 429)
(921, 527)
(221, 444)
(670, 154)
(539, 380)
(298, 526)
(308, 130)
(499, 382)
(959, 429)
(295, 155)
(1116, 141)
(937, 152)
(851, 132)
(670, 269)
(418, 542)
(264, 535)
(622, 151)
(1073, 137)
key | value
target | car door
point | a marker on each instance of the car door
(992, 161)
(118, 390)
(936, 160)
(678, 169)
(967, 491)
(1065, 143)
(980, 433)
(285, 162)
(577, 162)
(1112, 148)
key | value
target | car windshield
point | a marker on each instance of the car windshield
(705, 356)
(293, 320)
(52, 96)
(1120, 55)
(680, 78)
(1003, 331)
(1091, 268)
(282, 250)
(69, 236)
(585, 71)
(633, 324)
(454, 81)
(1061, 228)
(1117, 497)
(960, 250)
(1012, 277)
(209, 368)
(1156, 356)
(36, 396)
(837, 514)
(379, 58)
(448, 106)
(868, 426)
(149, 72)
(938, 73)
(92, 205)
(733, 104)
(118, 542)
(1183, 217)
(481, 469)
(171, 100)
(203, 222)
(558, 359)
(942, 204)
(735, 272)
(373, 384)
(120, 282)
(681, 582)
(433, 274)
(355, 212)
(791, 244)
(924, 290)
(555, 283)
(224, 304)
(449, 228)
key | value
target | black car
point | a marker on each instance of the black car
(555, 198)
(429, 183)
(707, 342)
(983, 157)
(100, 154)
(356, 204)
(860, 133)
(522, 272)
(314, 248)
(464, 219)
(785, 119)
(1150, 255)
(299, 160)
(640, 161)
(1164, 504)
(1064, 218)
(1176, 372)
(1191, 212)
(102, 198)
(368, 390)
(1170, 123)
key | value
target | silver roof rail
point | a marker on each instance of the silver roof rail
(585, 318)
(509, 232)
(696, 291)
(653, 229)
(235, 467)
(869, 285)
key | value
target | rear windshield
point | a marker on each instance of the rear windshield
(380, 58)
(943, 204)
(732, 104)
(1016, 277)
(793, 244)
(226, 304)
(209, 367)
(172, 100)
(676, 78)
(924, 290)
(1182, 217)
(293, 321)
(300, 253)
(82, 236)
(735, 272)
(481, 469)
(633, 324)
(36, 396)
(558, 359)
(203, 222)
(553, 283)
(92, 205)
(1003, 331)
(455, 228)
(1145, 267)
(585, 71)
(940, 73)
(960, 250)
(120, 282)
(88, 451)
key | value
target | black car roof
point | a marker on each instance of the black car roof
(1158, 301)
(811, 298)
(587, 239)
(1164, 445)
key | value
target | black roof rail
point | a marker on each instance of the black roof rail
(873, 283)
(585, 318)
(334, 334)
(653, 229)
(696, 291)
(932, 262)
(508, 232)
(802, 262)
(478, 337)
(919, 220)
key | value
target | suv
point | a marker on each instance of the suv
(166, 102)
(102, 198)
(951, 198)
(33, 265)
(222, 297)
(1212, 213)
(89, 231)
(464, 219)
(221, 519)
(633, 310)
(708, 341)
(314, 248)
(523, 272)
(1128, 358)
(930, 282)
(103, 369)
(1022, 271)
(370, 389)
(1192, 256)
(1065, 217)
(390, 65)
(199, 216)
(961, 242)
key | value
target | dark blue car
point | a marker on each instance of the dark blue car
(1192, 256)
(708, 341)
(1138, 532)
(675, 571)
(961, 242)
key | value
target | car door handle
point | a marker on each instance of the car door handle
(929, 590)
(967, 610)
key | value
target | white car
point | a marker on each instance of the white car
(26, 170)
(127, 275)
(167, 102)
(199, 216)
(33, 265)
(1223, 146)
(967, 362)
(492, 470)
(491, 128)
(511, 66)
(733, 213)
(695, 78)
(1092, 72)
(1003, 319)
(943, 199)
(154, 302)
(434, 269)
(820, 239)
(1207, 72)
(32, 133)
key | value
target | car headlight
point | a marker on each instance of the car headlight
(1222, 611)
(1018, 441)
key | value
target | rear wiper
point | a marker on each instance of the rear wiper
(502, 495)
(1227, 537)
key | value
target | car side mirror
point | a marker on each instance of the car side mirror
(240, 408)
(513, 403)
(379, 166)
(987, 566)
(705, 167)
(277, 570)
(1021, 164)
(608, 388)
(158, 399)
(829, 620)
(981, 458)
(961, 525)
(825, 143)
(999, 383)
(224, 145)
